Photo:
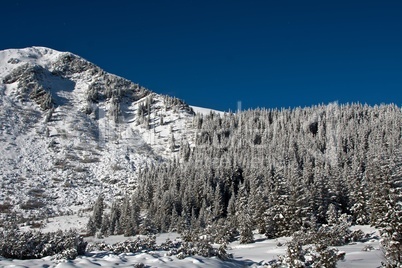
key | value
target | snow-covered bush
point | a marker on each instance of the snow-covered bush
(188, 246)
(327, 257)
(201, 248)
(33, 244)
(169, 244)
(311, 247)
(219, 233)
(337, 234)
(295, 255)
(316, 256)
(356, 235)
(179, 248)
(128, 246)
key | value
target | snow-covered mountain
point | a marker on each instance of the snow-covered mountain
(69, 130)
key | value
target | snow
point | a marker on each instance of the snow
(257, 254)
(124, 260)
(65, 222)
(72, 158)
(11, 58)
(205, 111)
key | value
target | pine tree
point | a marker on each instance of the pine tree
(392, 235)
(114, 223)
(105, 225)
(172, 144)
(392, 232)
(91, 226)
(95, 221)
(218, 209)
(332, 215)
(125, 217)
(246, 231)
(380, 182)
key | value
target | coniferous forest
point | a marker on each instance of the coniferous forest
(276, 171)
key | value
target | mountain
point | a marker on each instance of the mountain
(69, 130)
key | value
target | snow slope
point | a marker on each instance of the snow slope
(69, 130)
(205, 111)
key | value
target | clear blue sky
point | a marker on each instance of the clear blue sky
(214, 53)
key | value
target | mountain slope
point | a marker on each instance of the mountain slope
(69, 131)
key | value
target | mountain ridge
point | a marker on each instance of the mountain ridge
(70, 130)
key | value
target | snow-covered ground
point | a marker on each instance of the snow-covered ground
(265, 250)
(257, 254)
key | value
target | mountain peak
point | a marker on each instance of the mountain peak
(73, 130)
(34, 55)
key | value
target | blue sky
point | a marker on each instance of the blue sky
(215, 53)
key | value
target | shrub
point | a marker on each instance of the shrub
(128, 246)
(180, 249)
(34, 245)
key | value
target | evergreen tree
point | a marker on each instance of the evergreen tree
(114, 223)
(392, 235)
(246, 231)
(91, 226)
(98, 212)
(105, 225)
(95, 221)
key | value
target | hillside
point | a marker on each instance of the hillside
(69, 130)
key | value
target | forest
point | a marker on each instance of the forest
(314, 171)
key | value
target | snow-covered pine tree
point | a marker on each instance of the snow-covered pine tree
(246, 227)
(98, 211)
(114, 222)
(95, 221)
